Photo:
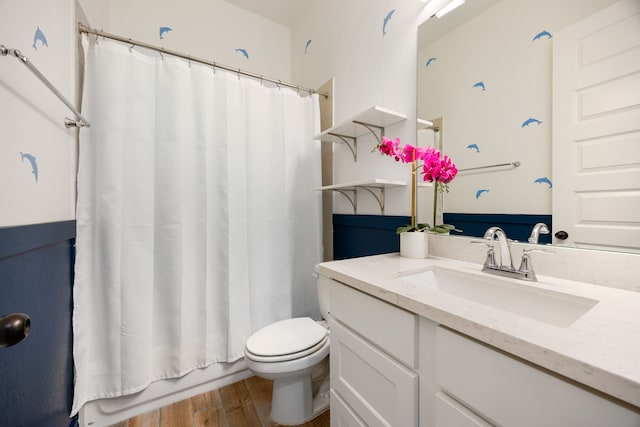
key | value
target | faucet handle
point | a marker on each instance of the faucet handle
(490, 260)
(526, 270)
(486, 242)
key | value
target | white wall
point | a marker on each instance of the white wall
(347, 43)
(208, 29)
(32, 118)
(369, 68)
(498, 48)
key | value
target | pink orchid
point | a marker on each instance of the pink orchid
(391, 148)
(435, 168)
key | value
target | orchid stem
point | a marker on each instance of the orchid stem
(413, 190)
(435, 202)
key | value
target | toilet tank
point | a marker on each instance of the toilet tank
(323, 296)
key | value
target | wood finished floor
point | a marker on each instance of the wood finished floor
(246, 403)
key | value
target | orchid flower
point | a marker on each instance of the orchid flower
(436, 168)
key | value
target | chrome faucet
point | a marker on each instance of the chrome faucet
(505, 268)
(506, 263)
(538, 229)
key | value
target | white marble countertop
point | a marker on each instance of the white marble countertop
(601, 349)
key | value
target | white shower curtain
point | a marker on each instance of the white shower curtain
(198, 219)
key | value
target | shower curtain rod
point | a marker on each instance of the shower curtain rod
(84, 29)
(68, 123)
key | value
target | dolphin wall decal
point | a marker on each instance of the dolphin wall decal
(481, 192)
(306, 46)
(386, 21)
(429, 61)
(39, 35)
(34, 164)
(530, 121)
(542, 34)
(544, 180)
(474, 147)
(480, 85)
(243, 52)
(163, 31)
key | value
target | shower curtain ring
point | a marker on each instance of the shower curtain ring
(238, 72)
(213, 67)
(160, 52)
(131, 47)
(189, 61)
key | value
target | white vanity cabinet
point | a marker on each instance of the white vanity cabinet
(391, 367)
(373, 359)
(488, 387)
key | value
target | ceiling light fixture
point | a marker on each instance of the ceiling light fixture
(453, 4)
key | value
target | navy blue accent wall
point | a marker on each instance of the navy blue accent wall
(36, 277)
(517, 227)
(363, 235)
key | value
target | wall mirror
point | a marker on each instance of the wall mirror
(485, 70)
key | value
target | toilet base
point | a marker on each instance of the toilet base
(293, 404)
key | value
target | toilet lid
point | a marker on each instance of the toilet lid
(286, 337)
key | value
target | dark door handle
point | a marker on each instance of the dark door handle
(14, 327)
(562, 235)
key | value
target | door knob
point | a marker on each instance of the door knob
(14, 327)
(562, 235)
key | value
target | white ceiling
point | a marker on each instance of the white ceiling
(434, 28)
(284, 12)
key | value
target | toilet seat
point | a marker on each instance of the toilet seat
(287, 340)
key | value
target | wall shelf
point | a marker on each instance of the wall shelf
(373, 119)
(423, 124)
(376, 187)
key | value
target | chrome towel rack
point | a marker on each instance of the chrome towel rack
(68, 123)
(514, 164)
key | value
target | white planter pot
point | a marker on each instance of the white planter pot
(414, 244)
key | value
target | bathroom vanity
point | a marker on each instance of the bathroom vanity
(437, 342)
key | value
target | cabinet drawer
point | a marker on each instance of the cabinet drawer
(378, 388)
(342, 415)
(389, 327)
(451, 413)
(508, 392)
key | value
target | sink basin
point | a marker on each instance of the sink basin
(551, 307)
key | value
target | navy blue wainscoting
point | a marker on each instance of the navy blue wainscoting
(363, 235)
(518, 227)
(36, 276)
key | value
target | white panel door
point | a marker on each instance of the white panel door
(596, 130)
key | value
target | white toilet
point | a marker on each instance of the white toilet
(294, 353)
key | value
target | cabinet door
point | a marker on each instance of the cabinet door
(451, 413)
(342, 415)
(509, 392)
(378, 388)
(385, 325)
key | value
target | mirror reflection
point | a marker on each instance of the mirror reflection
(486, 74)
